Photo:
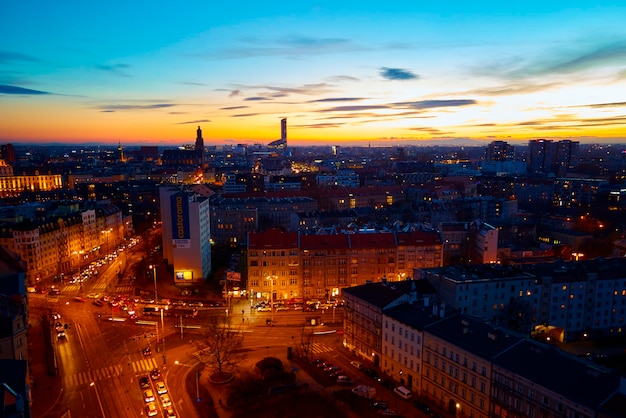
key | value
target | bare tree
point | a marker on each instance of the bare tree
(221, 346)
(306, 341)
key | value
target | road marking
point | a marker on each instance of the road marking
(320, 348)
(85, 378)
(144, 365)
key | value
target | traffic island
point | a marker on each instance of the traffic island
(221, 378)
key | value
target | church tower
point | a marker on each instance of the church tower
(199, 147)
(120, 152)
(199, 140)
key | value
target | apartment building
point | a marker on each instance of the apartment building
(320, 266)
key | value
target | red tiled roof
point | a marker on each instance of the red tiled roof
(315, 242)
(372, 240)
(272, 238)
(418, 238)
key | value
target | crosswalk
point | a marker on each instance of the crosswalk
(99, 287)
(85, 378)
(144, 365)
(320, 348)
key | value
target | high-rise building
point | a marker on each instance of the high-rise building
(547, 156)
(499, 151)
(280, 144)
(186, 234)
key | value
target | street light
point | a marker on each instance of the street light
(271, 279)
(154, 274)
(163, 328)
(178, 363)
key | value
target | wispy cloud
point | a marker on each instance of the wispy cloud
(7, 57)
(354, 108)
(114, 108)
(430, 104)
(337, 99)
(245, 115)
(397, 74)
(117, 69)
(5, 89)
(193, 122)
(294, 46)
(234, 107)
(256, 99)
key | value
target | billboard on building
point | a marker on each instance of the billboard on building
(181, 238)
(233, 276)
(183, 276)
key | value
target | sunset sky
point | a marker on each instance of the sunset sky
(341, 72)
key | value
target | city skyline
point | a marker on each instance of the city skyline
(345, 74)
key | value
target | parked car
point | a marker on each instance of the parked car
(379, 404)
(144, 382)
(422, 407)
(344, 380)
(146, 351)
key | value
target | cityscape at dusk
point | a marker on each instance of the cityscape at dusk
(358, 73)
(312, 209)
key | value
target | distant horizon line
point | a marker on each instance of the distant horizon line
(466, 142)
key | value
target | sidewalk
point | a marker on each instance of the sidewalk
(45, 389)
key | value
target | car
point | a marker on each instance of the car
(169, 413)
(151, 409)
(61, 334)
(379, 404)
(344, 380)
(93, 296)
(59, 327)
(146, 351)
(148, 395)
(195, 304)
(56, 315)
(155, 374)
(337, 372)
(161, 389)
(97, 302)
(357, 364)
(422, 407)
(144, 382)
(371, 373)
(264, 309)
(80, 299)
(165, 400)
(282, 308)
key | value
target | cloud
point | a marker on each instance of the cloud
(610, 54)
(256, 99)
(355, 108)
(319, 125)
(193, 122)
(340, 78)
(234, 107)
(337, 99)
(113, 108)
(7, 57)
(601, 105)
(397, 74)
(235, 93)
(114, 68)
(5, 89)
(430, 104)
(244, 115)
(295, 46)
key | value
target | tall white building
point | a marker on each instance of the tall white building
(186, 234)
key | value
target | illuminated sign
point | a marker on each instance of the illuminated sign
(181, 276)
(180, 221)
